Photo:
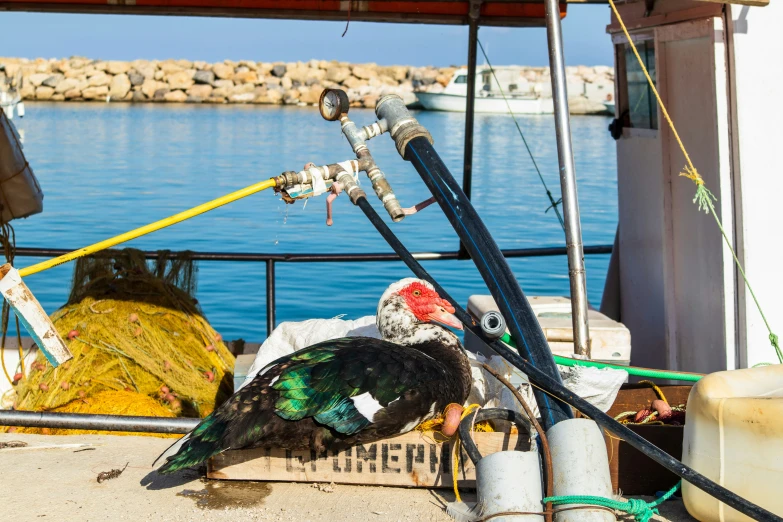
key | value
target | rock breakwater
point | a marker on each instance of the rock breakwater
(275, 83)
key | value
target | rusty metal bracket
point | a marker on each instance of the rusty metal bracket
(474, 12)
(649, 5)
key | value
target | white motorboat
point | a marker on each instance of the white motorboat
(489, 98)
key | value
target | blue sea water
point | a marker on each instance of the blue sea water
(109, 168)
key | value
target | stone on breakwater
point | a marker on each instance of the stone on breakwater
(245, 97)
(150, 86)
(175, 96)
(223, 84)
(366, 72)
(95, 93)
(299, 74)
(246, 77)
(338, 74)
(66, 85)
(117, 67)
(223, 71)
(120, 86)
(53, 80)
(135, 77)
(160, 94)
(100, 80)
(38, 78)
(180, 80)
(44, 93)
(278, 70)
(200, 91)
(205, 77)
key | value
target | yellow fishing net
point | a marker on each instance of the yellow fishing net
(140, 344)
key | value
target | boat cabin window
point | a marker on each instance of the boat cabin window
(639, 109)
(462, 78)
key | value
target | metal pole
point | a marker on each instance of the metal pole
(83, 421)
(467, 161)
(270, 297)
(565, 154)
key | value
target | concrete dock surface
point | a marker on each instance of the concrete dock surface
(55, 478)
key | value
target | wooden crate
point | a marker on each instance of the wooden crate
(632, 471)
(412, 460)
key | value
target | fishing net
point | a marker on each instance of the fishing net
(134, 327)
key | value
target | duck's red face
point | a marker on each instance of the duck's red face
(428, 306)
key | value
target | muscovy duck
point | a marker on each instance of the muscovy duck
(346, 391)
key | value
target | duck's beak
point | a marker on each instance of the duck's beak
(444, 314)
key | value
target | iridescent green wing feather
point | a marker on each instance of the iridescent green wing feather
(322, 380)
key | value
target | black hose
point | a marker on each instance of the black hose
(556, 389)
(493, 268)
(484, 415)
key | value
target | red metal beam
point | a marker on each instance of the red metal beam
(498, 13)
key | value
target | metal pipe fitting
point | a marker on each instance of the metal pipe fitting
(331, 171)
(385, 193)
(376, 129)
(493, 325)
(402, 125)
(380, 185)
(354, 136)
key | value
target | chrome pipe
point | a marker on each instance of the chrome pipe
(565, 156)
(83, 421)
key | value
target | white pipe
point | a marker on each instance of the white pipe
(580, 467)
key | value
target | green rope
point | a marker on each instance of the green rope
(554, 203)
(639, 372)
(704, 200)
(641, 510)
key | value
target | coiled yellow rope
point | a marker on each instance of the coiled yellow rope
(434, 426)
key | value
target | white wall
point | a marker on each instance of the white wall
(758, 79)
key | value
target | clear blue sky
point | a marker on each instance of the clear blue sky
(34, 35)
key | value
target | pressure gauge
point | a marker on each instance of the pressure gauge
(333, 103)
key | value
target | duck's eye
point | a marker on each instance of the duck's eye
(417, 293)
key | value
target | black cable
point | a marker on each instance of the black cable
(484, 415)
(494, 269)
(556, 389)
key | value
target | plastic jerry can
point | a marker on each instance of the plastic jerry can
(734, 436)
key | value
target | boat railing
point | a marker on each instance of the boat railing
(271, 259)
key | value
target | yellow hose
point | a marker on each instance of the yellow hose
(146, 229)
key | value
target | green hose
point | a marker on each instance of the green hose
(639, 372)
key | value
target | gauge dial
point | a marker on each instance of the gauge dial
(333, 103)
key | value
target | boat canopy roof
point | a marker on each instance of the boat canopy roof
(444, 12)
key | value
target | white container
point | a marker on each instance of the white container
(734, 436)
(509, 481)
(610, 340)
(580, 467)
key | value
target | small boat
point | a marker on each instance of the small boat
(609, 104)
(10, 96)
(489, 99)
